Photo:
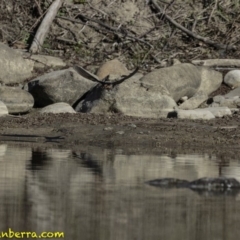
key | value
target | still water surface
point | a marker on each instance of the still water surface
(101, 194)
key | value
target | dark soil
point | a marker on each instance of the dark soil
(71, 130)
(222, 90)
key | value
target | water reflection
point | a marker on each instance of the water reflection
(101, 194)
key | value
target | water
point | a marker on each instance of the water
(101, 194)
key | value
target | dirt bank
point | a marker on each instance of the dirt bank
(71, 130)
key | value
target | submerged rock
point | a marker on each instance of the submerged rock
(208, 184)
(169, 183)
(215, 183)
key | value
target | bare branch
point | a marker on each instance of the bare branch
(214, 8)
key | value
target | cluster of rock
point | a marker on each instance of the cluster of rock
(156, 94)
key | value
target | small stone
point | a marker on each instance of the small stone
(218, 99)
(108, 129)
(132, 125)
(195, 114)
(219, 111)
(59, 107)
(232, 78)
(120, 132)
(234, 110)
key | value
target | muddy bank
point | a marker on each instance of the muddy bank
(71, 130)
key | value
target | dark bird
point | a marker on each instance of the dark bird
(105, 81)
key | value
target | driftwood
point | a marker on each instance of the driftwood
(44, 27)
(234, 63)
(188, 32)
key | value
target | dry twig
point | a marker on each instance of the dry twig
(214, 8)
(116, 31)
(191, 34)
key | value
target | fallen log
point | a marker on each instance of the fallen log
(44, 26)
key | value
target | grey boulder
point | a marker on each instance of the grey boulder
(232, 78)
(204, 113)
(155, 94)
(183, 80)
(114, 67)
(195, 114)
(233, 93)
(217, 111)
(218, 99)
(230, 100)
(13, 67)
(128, 98)
(195, 101)
(233, 102)
(60, 107)
(16, 99)
(59, 86)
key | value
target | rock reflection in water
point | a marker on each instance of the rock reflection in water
(203, 186)
(100, 194)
